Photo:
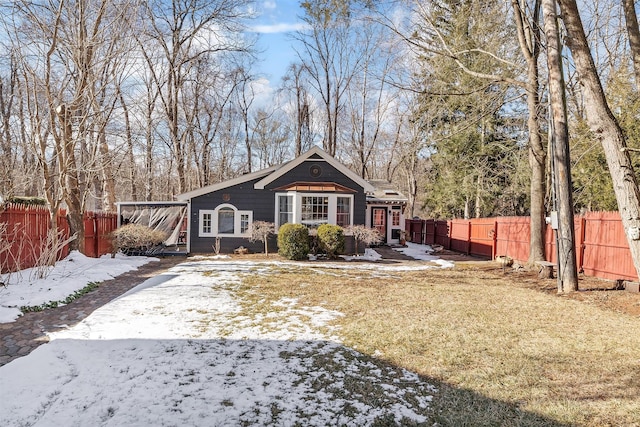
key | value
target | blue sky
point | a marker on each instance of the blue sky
(276, 19)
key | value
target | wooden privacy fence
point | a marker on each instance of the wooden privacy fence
(601, 244)
(24, 232)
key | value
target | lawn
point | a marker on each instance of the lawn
(259, 341)
(500, 350)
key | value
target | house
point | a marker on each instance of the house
(312, 189)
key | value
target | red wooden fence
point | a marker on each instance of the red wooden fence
(26, 229)
(601, 245)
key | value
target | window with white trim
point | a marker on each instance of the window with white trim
(244, 223)
(205, 223)
(225, 220)
(285, 208)
(395, 218)
(343, 211)
(313, 209)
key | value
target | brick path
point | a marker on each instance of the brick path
(21, 337)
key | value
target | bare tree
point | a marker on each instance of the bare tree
(605, 127)
(330, 59)
(633, 31)
(70, 52)
(527, 19)
(261, 231)
(370, 98)
(294, 84)
(185, 32)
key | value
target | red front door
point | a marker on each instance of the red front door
(379, 221)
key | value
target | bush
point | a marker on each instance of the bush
(136, 239)
(293, 241)
(261, 230)
(331, 239)
(366, 235)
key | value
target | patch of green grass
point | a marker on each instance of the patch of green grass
(53, 304)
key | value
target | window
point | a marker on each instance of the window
(343, 211)
(225, 220)
(315, 210)
(244, 223)
(205, 223)
(395, 218)
(285, 209)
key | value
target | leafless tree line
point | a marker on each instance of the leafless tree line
(103, 101)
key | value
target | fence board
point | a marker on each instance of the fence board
(27, 229)
(601, 244)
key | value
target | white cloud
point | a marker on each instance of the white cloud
(269, 5)
(279, 28)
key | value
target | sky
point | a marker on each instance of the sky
(179, 349)
(275, 19)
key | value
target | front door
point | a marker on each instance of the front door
(379, 221)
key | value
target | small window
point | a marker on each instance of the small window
(206, 223)
(244, 223)
(226, 221)
(343, 211)
(395, 218)
(285, 209)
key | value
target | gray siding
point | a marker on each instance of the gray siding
(262, 203)
(245, 198)
(301, 173)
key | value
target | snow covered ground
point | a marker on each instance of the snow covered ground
(36, 286)
(179, 350)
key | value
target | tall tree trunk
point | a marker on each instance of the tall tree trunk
(605, 127)
(130, 154)
(69, 169)
(528, 30)
(567, 271)
(633, 31)
(106, 166)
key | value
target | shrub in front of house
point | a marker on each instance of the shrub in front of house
(293, 241)
(331, 239)
(136, 239)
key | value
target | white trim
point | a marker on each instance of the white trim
(297, 206)
(225, 184)
(390, 227)
(237, 221)
(189, 227)
(276, 215)
(201, 214)
(260, 185)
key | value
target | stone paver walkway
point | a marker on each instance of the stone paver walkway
(29, 331)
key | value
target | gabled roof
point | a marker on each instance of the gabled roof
(274, 172)
(315, 151)
(225, 184)
(385, 192)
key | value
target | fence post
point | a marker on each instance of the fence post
(494, 241)
(468, 237)
(423, 231)
(581, 243)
